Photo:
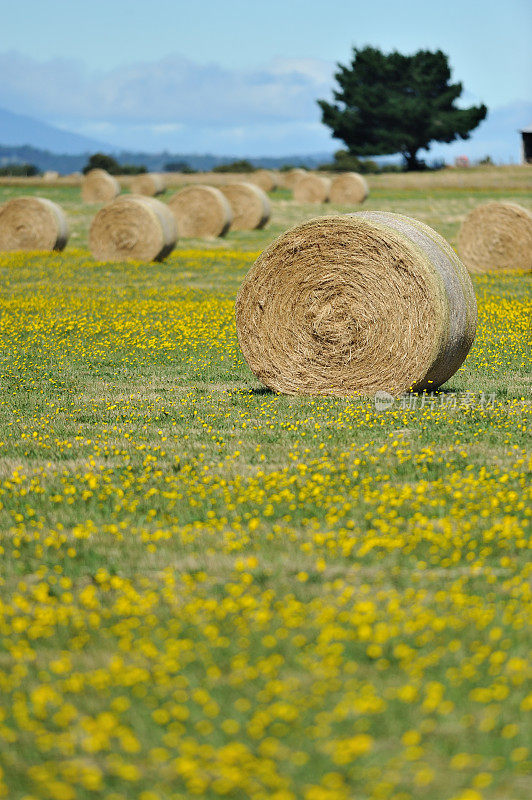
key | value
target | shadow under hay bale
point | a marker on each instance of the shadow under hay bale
(496, 236)
(97, 186)
(249, 204)
(356, 303)
(32, 223)
(201, 212)
(133, 228)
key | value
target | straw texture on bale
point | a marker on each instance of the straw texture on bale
(496, 236)
(98, 186)
(149, 184)
(291, 177)
(32, 223)
(133, 227)
(311, 188)
(363, 302)
(201, 211)
(265, 179)
(348, 188)
(249, 204)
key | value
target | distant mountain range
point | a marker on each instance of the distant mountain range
(18, 129)
(25, 139)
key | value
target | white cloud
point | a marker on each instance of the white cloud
(173, 90)
(315, 69)
(181, 106)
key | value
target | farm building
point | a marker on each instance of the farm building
(526, 146)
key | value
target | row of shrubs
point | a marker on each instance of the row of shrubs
(98, 160)
(343, 161)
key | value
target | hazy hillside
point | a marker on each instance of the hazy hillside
(18, 130)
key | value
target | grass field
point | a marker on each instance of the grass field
(211, 590)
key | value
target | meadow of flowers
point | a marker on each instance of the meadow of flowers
(210, 590)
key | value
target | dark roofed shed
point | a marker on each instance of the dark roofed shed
(526, 134)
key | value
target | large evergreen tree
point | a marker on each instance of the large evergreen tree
(391, 103)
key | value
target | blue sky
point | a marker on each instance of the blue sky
(241, 77)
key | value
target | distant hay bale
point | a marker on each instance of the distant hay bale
(50, 175)
(249, 204)
(311, 188)
(32, 223)
(291, 177)
(148, 184)
(201, 212)
(135, 228)
(496, 236)
(97, 186)
(265, 179)
(363, 302)
(349, 188)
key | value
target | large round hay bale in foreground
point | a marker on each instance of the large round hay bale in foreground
(312, 188)
(264, 179)
(356, 303)
(133, 228)
(32, 223)
(201, 212)
(149, 184)
(98, 186)
(249, 204)
(496, 236)
(350, 188)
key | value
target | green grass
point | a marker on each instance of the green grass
(212, 590)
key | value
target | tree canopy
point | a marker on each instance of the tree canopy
(111, 165)
(392, 103)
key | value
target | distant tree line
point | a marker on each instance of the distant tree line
(154, 162)
(242, 165)
(111, 165)
(18, 171)
(179, 166)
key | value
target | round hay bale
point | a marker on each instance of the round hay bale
(50, 175)
(98, 186)
(350, 188)
(249, 204)
(135, 228)
(312, 188)
(32, 223)
(265, 179)
(148, 184)
(201, 212)
(291, 177)
(363, 302)
(496, 236)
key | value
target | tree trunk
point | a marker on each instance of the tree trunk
(411, 162)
